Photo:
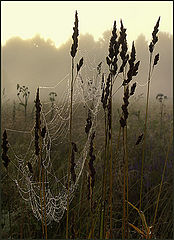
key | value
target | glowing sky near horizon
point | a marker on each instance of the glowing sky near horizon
(55, 19)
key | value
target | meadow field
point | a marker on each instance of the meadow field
(89, 164)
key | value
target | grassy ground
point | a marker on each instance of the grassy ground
(17, 219)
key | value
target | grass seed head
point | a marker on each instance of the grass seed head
(133, 89)
(4, 146)
(75, 37)
(37, 122)
(79, 65)
(154, 36)
(156, 59)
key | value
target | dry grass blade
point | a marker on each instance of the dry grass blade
(147, 229)
(138, 230)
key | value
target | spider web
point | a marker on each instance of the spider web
(48, 194)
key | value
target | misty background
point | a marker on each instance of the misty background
(37, 62)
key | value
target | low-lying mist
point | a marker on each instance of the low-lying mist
(36, 62)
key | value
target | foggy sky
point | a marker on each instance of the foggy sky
(36, 62)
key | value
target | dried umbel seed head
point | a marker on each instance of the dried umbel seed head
(4, 146)
(160, 97)
(74, 37)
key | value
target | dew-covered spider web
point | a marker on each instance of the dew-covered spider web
(42, 187)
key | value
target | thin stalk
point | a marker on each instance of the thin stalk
(161, 119)
(91, 211)
(40, 185)
(43, 184)
(117, 147)
(145, 129)
(9, 206)
(127, 180)
(25, 107)
(81, 198)
(70, 146)
(124, 189)
(110, 171)
(102, 214)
